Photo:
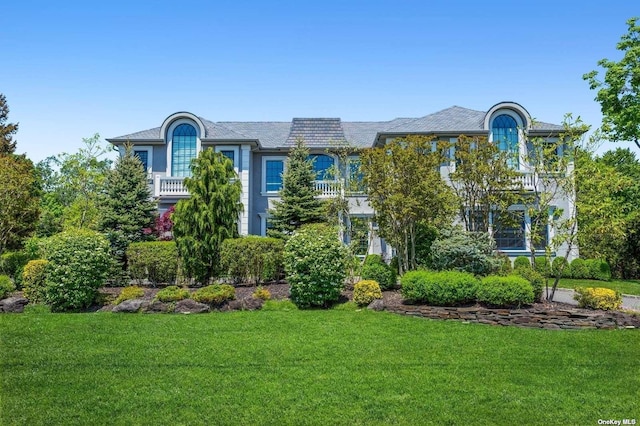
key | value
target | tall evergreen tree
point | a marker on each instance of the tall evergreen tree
(209, 216)
(298, 203)
(7, 130)
(127, 209)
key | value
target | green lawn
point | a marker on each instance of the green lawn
(309, 367)
(623, 286)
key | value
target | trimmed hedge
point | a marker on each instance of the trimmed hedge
(542, 266)
(439, 288)
(579, 269)
(509, 291)
(172, 293)
(380, 272)
(365, 292)
(156, 261)
(6, 286)
(598, 298)
(598, 269)
(560, 264)
(521, 262)
(535, 279)
(34, 280)
(215, 294)
(252, 258)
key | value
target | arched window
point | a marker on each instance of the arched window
(505, 135)
(321, 164)
(183, 149)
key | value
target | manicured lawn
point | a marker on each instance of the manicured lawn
(309, 367)
(623, 286)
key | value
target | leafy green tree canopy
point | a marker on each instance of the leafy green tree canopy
(7, 130)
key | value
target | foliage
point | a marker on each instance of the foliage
(125, 205)
(366, 291)
(156, 261)
(579, 269)
(209, 216)
(373, 259)
(164, 225)
(522, 262)
(598, 269)
(382, 273)
(560, 268)
(6, 286)
(77, 268)
(34, 280)
(172, 293)
(484, 179)
(279, 305)
(252, 258)
(542, 265)
(399, 177)
(460, 250)
(509, 291)
(12, 264)
(19, 198)
(315, 263)
(536, 280)
(129, 293)
(619, 93)
(215, 294)
(425, 236)
(506, 268)
(631, 287)
(262, 293)
(7, 130)
(598, 298)
(445, 288)
(298, 204)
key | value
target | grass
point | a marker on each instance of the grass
(623, 286)
(308, 367)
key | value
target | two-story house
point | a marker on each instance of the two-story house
(259, 150)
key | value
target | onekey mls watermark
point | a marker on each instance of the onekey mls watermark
(617, 422)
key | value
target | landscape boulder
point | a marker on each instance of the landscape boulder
(129, 306)
(190, 306)
(376, 305)
(13, 304)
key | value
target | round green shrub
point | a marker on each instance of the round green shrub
(510, 291)
(366, 291)
(172, 293)
(6, 286)
(579, 269)
(505, 268)
(560, 268)
(373, 259)
(12, 264)
(381, 273)
(598, 269)
(521, 262)
(215, 294)
(315, 263)
(129, 293)
(156, 261)
(447, 288)
(34, 280)
(252, 259)
(542, 266)
(535, 279)
(459, 250)
(78, 265)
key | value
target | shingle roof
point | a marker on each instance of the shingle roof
(326, 132)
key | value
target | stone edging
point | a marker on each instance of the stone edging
(530, 318)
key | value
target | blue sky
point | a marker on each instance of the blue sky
(71, 69)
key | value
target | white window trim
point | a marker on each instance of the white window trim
(264, 191)
(522, 144)
(148, 149)
(236, 154)
(263, 223)
(169, 138)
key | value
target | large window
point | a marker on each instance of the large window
(505, 135)
(143, 156)
(322, 165)
(509, 231)
(183, 150)
(273, 174)
(356, 177)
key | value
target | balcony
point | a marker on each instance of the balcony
(169, 187)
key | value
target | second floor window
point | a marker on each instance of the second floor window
(273, 175)
(183, 150)
(505, 135)
(143, 156)
(322, 165)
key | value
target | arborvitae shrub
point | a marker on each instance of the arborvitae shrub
(381, 273)
(521, 262)
(128, 293)
(535, 279)
(445, 288)
(156, 261)
(560, 264)
(6, 286)
(34, 280)
(215, 294)
(543, 266)
(366, 291)
(598, 298)
(172, 293)
(252, 259)
(579, 269)
(509, 291)
(315, 263)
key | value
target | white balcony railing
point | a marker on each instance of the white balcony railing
(527, 180)
(169, 187)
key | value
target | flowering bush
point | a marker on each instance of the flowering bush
(366, 291)
(598, 298)
(164, 225)
(315, 263)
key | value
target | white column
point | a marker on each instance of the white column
(245, 158)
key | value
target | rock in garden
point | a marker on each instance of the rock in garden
(190, 306)
(245, 304)
(13, 304)
(129, 306)
(158, 307)
(376, 305)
